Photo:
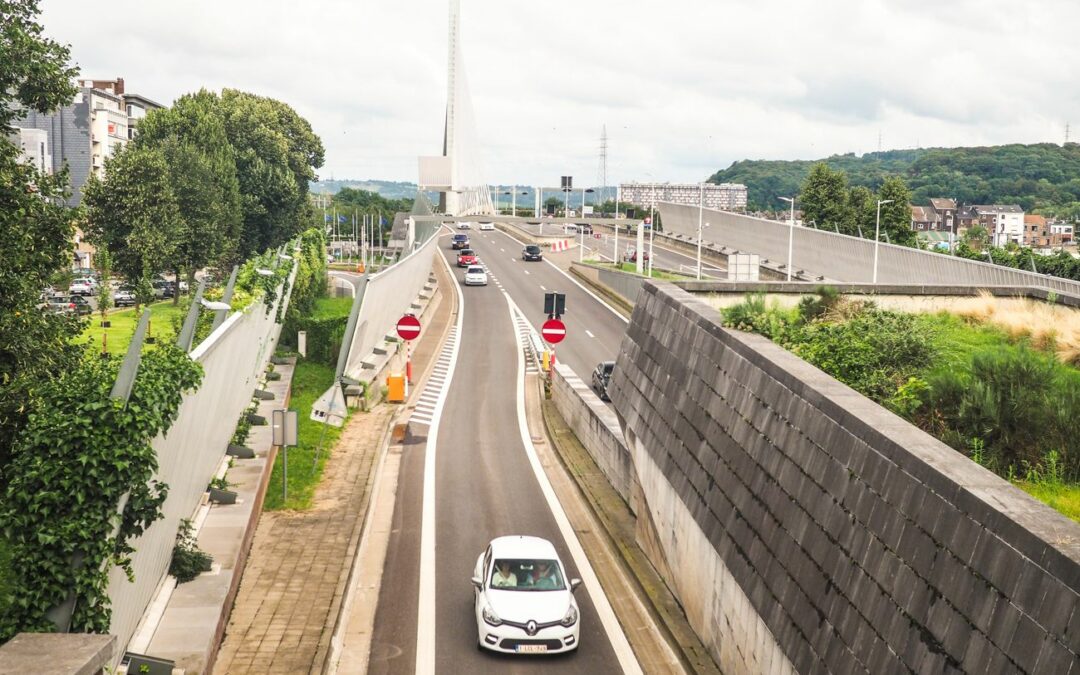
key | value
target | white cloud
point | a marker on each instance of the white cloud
(684, 86)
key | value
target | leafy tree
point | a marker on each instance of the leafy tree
(976, 237)
(133, 213)
(861, 205)
(191, 136)
(276, 156)
(35, 227)
(824, 197)
(896, 216)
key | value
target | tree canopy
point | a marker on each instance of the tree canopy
(829, 204)
(1042, 177)
(35, 227)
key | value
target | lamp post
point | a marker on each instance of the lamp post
(700, 213)
(877, 233)
(790, 236)
(652, 229)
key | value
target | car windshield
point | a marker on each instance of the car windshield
(461, 237)
(475, 270)
(532, 249)
(608, 367)
(466, 251)
(526, 574)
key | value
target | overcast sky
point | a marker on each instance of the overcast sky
(685, 87)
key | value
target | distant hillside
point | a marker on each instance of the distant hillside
(399, 190)
(384, 188)
(1043, 177)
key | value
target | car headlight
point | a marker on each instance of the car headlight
(490, 617)
(571, 617)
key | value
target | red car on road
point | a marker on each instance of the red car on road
(631, 255)
(467, 257)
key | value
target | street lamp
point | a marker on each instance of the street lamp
(877, 233)
(700, 212)
(790, 235)
(699, 233)
(581, 228)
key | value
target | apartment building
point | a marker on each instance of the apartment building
(1004, 222)
(723, 197)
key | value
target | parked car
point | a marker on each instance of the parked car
(487, 226)
(163, 288)
(585, 228)
(466, 257)
(82, 286)
(570, 229)
(71, 305)
(459, 241)
(522, 599)
(532, 252)
(601, 378)
(631, 255)
(475, 276)
(124, 297)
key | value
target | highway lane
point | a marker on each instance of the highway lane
(593, 330)
(484, 486)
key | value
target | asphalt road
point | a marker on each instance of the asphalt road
(593, 331)
(484, 487)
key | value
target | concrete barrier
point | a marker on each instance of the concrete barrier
(596, 427)
(806, 528)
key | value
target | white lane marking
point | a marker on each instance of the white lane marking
(526, 271)
(589, 334)
(619, 644)
(542, 287)
(503, 250)
(425, 611)
(577, 283)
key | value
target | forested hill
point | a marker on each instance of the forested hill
(1043, 177)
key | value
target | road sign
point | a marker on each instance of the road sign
(554, 304)
(408, 327)
(597, 235)
(553, 331)
(648, 220)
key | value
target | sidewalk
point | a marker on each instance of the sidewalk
(292, 589)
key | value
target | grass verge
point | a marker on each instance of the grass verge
(1062, 497)
(119, 334)
(310, 380)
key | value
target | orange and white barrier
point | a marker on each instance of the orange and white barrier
(560, 245)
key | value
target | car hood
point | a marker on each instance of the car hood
(521, 606)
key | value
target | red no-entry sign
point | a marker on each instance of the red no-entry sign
(408, 327)
(553, 331)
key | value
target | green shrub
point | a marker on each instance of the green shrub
(188, 561)
(811, 308)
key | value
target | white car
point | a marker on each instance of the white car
(524, 604)
(464, 225)
(84, 286)
(475, 276)
(487, 226)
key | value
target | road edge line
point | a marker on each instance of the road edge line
(425, 616)
(619, 642)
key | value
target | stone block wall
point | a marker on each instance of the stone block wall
(862, 543)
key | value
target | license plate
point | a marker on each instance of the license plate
(531, 649)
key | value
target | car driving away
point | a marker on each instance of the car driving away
(524, 603)
(487, 226)
(601, 378)
(459, 241)
(466, 257)
(531, 253)
(464, 225)
(475, 276)
(631, 255)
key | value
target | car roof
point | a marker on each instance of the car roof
(521, 546)
(473, 268)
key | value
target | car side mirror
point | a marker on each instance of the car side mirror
(478, 582)
(574, 583)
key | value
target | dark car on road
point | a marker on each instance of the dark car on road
(163, 288)
(71, 305)
(531, 252)
(601, 378)
(466, 257)
(459, 241)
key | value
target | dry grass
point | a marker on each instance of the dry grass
(1051, 328)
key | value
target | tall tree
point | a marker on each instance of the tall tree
(824, 197)
(191, 136)
(35, 227)
(861, 207)
(276, 157)
(896, 216)
(133, 212)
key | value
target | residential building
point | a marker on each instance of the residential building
(966, 218)
(945, 212)
(34, 148)
(137, 106)
(1004, 222)
(723, 197)
(924, 219)
(1036, 231)
(1063, 230)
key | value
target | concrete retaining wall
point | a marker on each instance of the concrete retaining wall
(596, 427)
(859, 542)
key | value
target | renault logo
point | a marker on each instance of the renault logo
(530, 628)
